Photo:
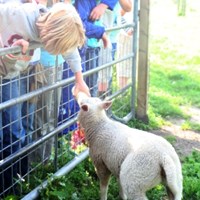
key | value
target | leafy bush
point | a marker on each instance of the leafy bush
(191, 174)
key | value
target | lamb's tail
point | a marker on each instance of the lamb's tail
(172, 176)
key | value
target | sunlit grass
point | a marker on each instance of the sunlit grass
(174, 81)
(187, 125)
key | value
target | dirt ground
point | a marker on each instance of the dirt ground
(186, 140)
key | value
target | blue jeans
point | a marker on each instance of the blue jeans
(114, 49)
(13, 131)
(13, 137)
(27, 108)
(92, 55)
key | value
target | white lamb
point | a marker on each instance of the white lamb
(140, 160)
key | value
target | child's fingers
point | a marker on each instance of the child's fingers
(23, 43)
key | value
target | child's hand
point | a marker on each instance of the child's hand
(130, 31)
(106, 41)
(23, 43)
(80, 85)
(98, 11)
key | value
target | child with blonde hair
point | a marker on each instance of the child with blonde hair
(59, 29)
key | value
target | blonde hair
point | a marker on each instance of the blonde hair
(61, 29)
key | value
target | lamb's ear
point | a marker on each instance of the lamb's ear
(84, 107)
(106, 104)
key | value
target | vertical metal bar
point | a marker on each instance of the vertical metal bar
(134, 60)
(56, 115)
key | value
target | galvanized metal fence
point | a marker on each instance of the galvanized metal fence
(53, 145)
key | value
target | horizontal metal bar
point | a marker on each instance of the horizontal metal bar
(120, 27)
(17, 49)
(89, 72)
(119, 92)
(128, 117)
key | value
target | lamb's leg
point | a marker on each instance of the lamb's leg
(173, 176)
(121, 192)
(104, 176)
(132, 175)
(104, 188)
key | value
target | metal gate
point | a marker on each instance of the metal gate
(56, 146)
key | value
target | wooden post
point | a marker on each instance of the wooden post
(143, 64)
(181, 7)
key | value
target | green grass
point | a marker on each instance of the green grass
(82, 183)
(188, 125)
(174, 82)
(174, 75)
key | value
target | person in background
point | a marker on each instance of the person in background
(125, 5)
(35, 23)
(90, 13)
(13, 134)
(18, 118)
(105, 57)
(124, 45)
(110, 18)
(30, 79)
